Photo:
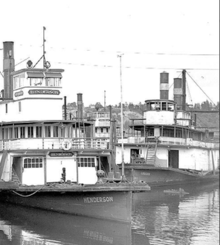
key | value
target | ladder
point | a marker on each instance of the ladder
(151, 152)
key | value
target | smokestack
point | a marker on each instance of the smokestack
(164, 85)
(8, 68)
(178, 93)
(80, 106)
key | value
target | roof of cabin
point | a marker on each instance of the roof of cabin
(37, 70)
(86, 123)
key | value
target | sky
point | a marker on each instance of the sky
(86, 37)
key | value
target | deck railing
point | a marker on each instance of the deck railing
(54, 143)
(171, 141)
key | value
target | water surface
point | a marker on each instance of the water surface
(158, 218)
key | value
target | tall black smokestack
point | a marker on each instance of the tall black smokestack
(8, 68)
(80, 106)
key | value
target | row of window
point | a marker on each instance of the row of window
(101, 130)
(20, 82)
(86, 162)
(34, 162)
(33, 132)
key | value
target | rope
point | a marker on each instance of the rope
(29, 194)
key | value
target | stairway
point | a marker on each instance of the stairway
(151, 152)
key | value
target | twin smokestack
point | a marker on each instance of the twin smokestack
(179, 90)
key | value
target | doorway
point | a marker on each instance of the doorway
(173, 159)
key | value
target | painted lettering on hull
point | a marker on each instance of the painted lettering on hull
(143, 173)
(97, 199)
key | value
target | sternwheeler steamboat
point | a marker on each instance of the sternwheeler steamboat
(50, 163)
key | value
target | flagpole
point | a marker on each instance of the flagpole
(122, 121)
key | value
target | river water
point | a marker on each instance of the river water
(158, 218)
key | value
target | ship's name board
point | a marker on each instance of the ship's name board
(61, 154)
(19, 93)
(44, 91)
(97, 199)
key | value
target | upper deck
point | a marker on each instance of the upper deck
(164, 112)
(36, 92)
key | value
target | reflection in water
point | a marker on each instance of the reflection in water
(23, 226)
(162, 218)
(158, 218)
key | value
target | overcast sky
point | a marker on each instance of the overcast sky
(84, 38)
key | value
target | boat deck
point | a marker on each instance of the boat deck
(63, 187)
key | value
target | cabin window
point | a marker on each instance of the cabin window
(62, 132)
(150, 132)
(179, 133)
(30, 132)
(38, 132)
(35, 162)
(96, 130)
(22, 132)
(168, 132)
(47, 131)
(86, 162)
(170, 107)
(55, 131)
(5, 130)
(6, 108)
(10, 131)
(164, 106)
(16, 133)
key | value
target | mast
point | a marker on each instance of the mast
(122, 120)
(44, 52)
(184, 90)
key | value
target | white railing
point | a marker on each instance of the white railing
(187, 142)
(171, 141)
(53, 143)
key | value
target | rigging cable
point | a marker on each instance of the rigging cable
(200, 88)
(188, 90)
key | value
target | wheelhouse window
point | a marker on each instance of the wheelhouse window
(53, 82)
(36, 81)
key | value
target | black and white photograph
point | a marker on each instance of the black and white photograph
(109, 122)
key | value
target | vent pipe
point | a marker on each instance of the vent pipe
(65, 108)
(79, 106)
(8, 68)
(164, 85)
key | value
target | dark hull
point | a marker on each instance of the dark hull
(157, 177)
(111, 205)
